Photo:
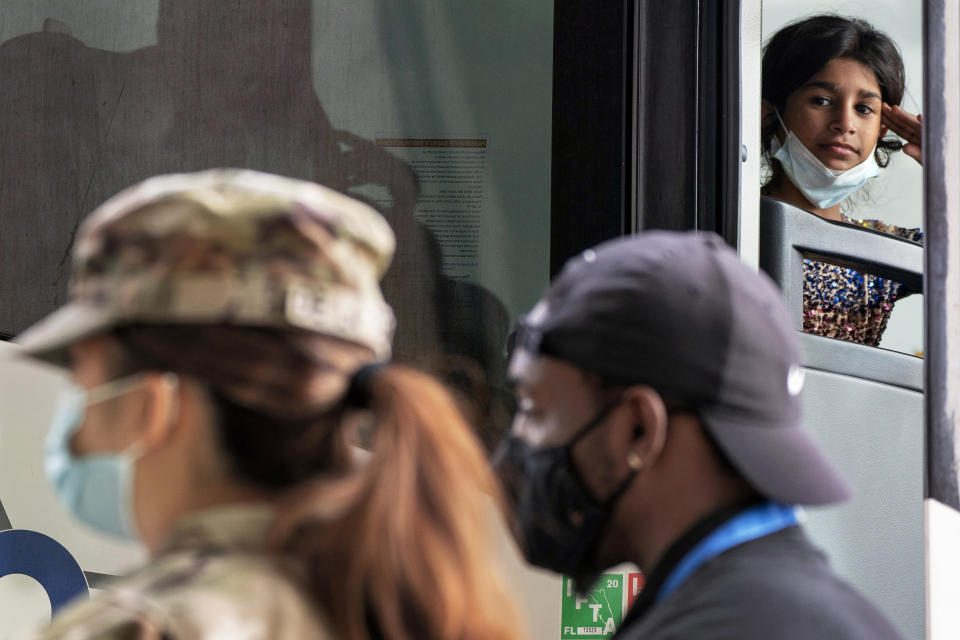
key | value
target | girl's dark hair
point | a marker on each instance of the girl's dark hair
(799, 50)
(394, 548)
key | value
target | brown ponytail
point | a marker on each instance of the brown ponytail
(395, 548)
(410, 556)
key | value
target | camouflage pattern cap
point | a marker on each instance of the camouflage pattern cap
(226, 246)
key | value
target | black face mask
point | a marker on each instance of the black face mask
(557, 521)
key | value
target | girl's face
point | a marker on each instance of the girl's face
(836, 114)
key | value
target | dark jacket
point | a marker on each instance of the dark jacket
(778, 587)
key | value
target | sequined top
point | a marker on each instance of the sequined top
(846, 304)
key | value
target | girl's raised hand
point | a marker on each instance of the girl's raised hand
(907, 126)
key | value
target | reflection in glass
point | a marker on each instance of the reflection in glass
(234, 83)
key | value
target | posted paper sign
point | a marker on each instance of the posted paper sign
(452, 175)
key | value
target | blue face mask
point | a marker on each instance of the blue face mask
(821, 185)
(96, 488)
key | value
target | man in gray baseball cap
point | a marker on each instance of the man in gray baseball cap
(659, 423)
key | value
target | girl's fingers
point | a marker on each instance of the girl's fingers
(907, 126)
(914, 151)
(902, 123)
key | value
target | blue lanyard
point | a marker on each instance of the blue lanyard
(751, 524)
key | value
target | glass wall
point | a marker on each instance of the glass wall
(437, 112)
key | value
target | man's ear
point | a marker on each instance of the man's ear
(649, 416)
(883, 131)
(161, 409)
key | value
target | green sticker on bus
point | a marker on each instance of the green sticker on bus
(596, 615)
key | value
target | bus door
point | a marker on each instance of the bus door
(865, 405)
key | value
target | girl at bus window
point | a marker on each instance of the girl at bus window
(227, 337)
(831, 93)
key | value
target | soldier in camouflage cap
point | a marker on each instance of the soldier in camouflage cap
(227, 246)
(227, 338)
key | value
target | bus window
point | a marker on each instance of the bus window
(891, 202)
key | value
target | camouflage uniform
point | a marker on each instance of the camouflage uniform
(221, 247)
(215, 579)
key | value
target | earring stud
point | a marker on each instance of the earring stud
(634, 461)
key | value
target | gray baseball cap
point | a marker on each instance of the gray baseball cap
(681, 313)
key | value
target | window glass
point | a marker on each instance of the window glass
(895, 197)
(437, 112)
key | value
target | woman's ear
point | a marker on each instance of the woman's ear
(649, 416)
(161, 410)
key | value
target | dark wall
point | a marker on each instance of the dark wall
(592, 103)
(646, 129)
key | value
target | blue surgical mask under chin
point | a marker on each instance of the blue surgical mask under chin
(822, 186)
(96, 488)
